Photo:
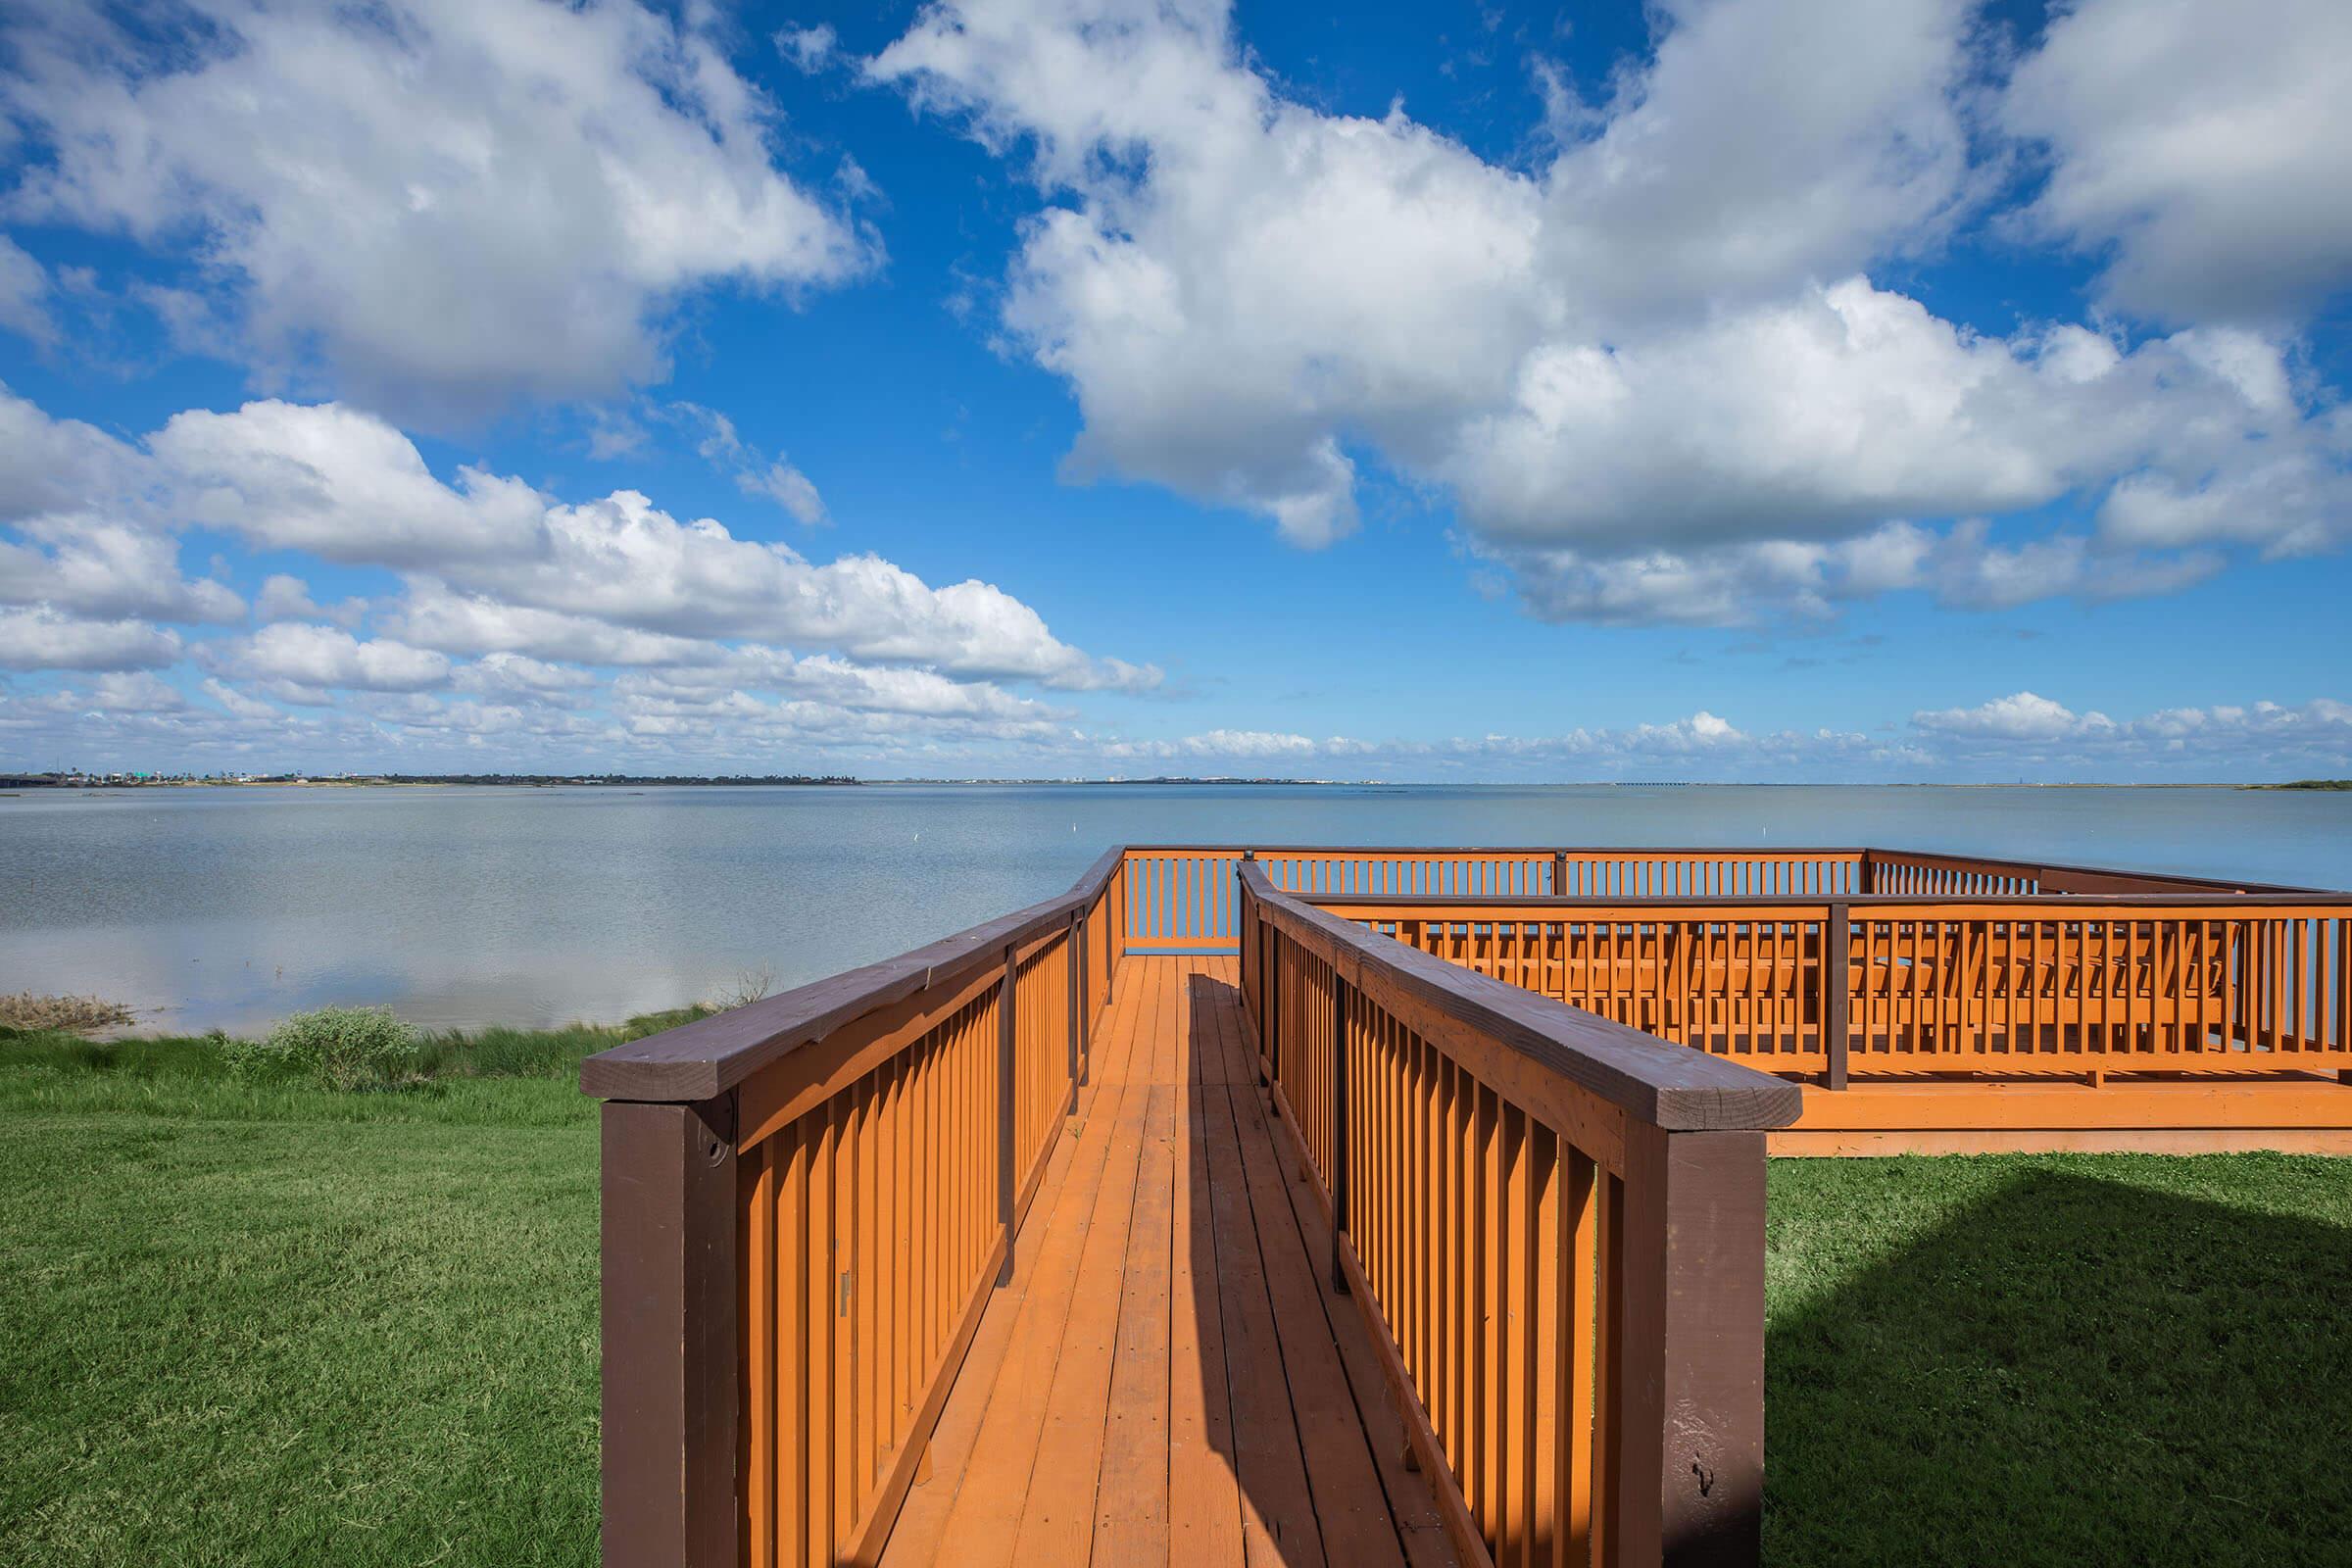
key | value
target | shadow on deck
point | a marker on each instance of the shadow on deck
(1171, 1376)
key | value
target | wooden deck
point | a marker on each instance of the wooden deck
(2298, 1113)
(1170, 1377)
(884, 1281)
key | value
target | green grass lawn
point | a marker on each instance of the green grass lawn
(249, 1323)
(2081, 1360)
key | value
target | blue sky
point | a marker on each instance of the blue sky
(1770, 389)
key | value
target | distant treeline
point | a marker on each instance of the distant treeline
(2307, 784)
(617, 779)
(121, 781)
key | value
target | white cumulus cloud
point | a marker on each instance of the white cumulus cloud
(1658, 355)
(434, 205)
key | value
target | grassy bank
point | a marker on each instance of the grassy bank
(246, 1321)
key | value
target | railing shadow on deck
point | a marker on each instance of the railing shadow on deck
(2066, 1369)
(1290, 1509)
(1283, 1517)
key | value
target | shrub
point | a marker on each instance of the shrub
(245, 1057)
(340, 1048)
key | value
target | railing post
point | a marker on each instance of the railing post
(1072, 953)
(1084, 1025)
(1270, 1048)
(1866, 879)
(670, 1325)
(1008, 1103)
(1690, 1396)
(1836, 990)
(1244, 930)
(1560, 873)
(1339, 1130)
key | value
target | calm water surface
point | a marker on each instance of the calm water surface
(467, 906)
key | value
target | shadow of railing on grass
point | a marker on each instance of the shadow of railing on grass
(2073, 1369)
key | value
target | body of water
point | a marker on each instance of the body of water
(464, 907)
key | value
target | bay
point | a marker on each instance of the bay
(465, 906)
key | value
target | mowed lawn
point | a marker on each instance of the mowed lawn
(2068, 1359)
(242, 1327)
(252, 1325)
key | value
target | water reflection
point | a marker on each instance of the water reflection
(464, 907)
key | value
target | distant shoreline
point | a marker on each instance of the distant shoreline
(95, 781)
(21, 782)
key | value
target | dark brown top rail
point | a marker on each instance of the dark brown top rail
(1547, 904)
(705, 1058)
(702, 1059)
(1661, 1083)
(2079, 879)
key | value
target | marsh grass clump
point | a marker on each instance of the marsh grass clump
(337, 1048)
(26, 1011)
(750, 984)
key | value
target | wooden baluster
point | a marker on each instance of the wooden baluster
(1338, 1178)
(1835, 941)
(1007, 1095)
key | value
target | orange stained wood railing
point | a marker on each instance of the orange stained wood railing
(1547, 1209)
(1554, 1225)
(1181, 897)
(807, 1204)
(2023, 984)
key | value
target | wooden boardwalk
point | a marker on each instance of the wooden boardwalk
(1170, 1377)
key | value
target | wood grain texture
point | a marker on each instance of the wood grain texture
(1229, 1404)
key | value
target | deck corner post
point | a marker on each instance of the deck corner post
(1560, 873)
(1835, 992)
(1339, 999)
(1690, 1399)
(1008, 1105)
(669, 1352)
(1866, 875)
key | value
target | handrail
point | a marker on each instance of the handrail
(809, 1201)
(1184, 893)
(2316, 897)
(1660, 1082)
(807, 1204)
(1882, 984)
(2092, 876)
(709, 1057)
(2182, 881)
(1553, 1226)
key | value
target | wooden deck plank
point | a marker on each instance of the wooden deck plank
(1057, 1513)
(1350, 1507)
(1205, 1500)
(1278, 1515)
(1131, 1499)
(1411, 1505)
(993, 1481)
(1136, 1394)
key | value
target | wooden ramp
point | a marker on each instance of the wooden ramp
(1170, 1377)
